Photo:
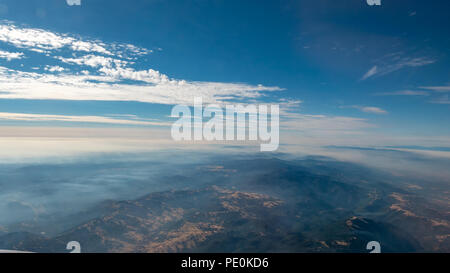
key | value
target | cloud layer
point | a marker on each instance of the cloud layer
(92, 70)
(79, 119)
(102, 71)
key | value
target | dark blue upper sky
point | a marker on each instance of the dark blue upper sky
(387, 65)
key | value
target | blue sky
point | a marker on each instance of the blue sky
(337, 68)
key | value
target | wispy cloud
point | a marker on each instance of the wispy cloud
(73, 2)
(108, 74)
(442, 89)
(441, 100)
(82, 119)
(395, 62)
(368, 109)
(41, 40)
(323, 123)
(404, 93)
(105, 72)
(370, 73)
(107, 87)
(428, 91)
(10, 55)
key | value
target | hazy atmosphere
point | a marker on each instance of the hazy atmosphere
(361, 142)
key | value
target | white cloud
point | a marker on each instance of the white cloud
(84, 119)
(441, 89)
(39, 39)
(405, 93)
(442, 100)
(370, 73)
(93, 61)
(73, 2)
(54, 68)
(43, 41)
(367, 109)
(105, 81)
(107, 74)
(323, 123)
(161, 89)
(374, 110)
(426, 92)
(394, 63)
(10, 55)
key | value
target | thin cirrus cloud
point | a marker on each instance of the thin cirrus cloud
(395, 63)
(427, 91)
(441, 100)
(95, 70)
(370, 73)
(368, 109)
(404, 93)
(371, 109)
(320, 123)
(78, 119)
(441, 89)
